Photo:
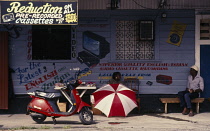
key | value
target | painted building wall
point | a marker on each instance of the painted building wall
(166, 74)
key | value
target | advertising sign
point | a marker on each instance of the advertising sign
(38, 13)
(176, 33)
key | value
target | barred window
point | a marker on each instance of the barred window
(128, 43)
(205, 29)
(51, 42)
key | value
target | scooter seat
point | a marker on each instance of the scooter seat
(48, 95)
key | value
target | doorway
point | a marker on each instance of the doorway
(205, 69)
(4, 70)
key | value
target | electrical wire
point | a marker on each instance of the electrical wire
(158, 8)
(140, 5)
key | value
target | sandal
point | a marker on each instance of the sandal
(185, 112)
(191, 114)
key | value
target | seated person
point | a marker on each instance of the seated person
(116, 78)
(194, 87)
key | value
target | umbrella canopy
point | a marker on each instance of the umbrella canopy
(115, 100)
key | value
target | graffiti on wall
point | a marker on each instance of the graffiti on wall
(14, 30)
(105, 77)
(95, 48)
(36, 76)
(176, 33)
(23, 74)
(29, 45)
(38, 12)
(139, 66)
(162, 79)
(41, 80)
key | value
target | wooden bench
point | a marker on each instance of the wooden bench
(176, 100)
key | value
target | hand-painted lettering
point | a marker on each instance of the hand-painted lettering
(40, 80)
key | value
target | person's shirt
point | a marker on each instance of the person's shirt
(196, 83)
(113, 81)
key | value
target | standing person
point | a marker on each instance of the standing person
(116, 78)
(195, 85)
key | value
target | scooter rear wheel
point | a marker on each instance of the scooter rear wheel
(86, 116)
(39, 119)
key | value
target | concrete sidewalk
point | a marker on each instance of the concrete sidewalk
(137, 122)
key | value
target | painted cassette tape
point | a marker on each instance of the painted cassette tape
(8, 17)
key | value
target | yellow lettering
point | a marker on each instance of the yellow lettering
(14, 7)
(47, 8)
(39, 10)
(89, 72)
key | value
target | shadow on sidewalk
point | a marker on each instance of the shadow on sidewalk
(169, 117)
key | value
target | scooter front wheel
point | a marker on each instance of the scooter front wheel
(86, 116)
(38, 118)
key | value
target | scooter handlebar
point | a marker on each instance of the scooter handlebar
(31, 93)
(59, 86)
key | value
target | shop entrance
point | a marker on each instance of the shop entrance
(4, 70)
(205, 69)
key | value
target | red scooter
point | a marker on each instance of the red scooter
(45, 105)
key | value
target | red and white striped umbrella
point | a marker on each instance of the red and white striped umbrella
(115, 100)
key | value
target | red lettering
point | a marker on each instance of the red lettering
(45, 77)
(29, 57)
(49, 75)
(29, 50)
(29, 38)
(55, 73)
(41, 80)
(29, 44)
(29, 31)
(27, 86)
(33, 84)
(37, 82)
